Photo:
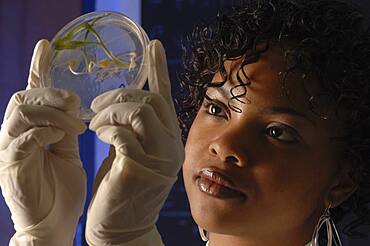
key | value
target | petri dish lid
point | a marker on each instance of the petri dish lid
(95, 53)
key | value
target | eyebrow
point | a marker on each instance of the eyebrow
(222, 91)
(274, 110)
(287, 110)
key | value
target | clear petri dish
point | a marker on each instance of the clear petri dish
(95, 53)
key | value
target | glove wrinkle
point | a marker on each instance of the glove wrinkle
(133, 211)
(41, 177)
(136, 178)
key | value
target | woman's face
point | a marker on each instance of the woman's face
(265, 172)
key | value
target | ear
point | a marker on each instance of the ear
(343, 187)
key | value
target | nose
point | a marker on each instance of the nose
(229, 148)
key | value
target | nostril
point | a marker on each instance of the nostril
(227, 155)
(213, 151)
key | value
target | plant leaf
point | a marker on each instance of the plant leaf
(70, 45)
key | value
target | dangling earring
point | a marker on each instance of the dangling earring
(203, 234)
(331, 230)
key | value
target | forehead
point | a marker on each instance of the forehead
(268, 89)
(268, 86)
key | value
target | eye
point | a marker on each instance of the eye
(283, 133)
(215, 108)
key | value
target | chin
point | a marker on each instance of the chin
(214, 214)
(213, 211)
(215, 222)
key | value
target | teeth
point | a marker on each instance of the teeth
(208, 173)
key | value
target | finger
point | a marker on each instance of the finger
(29, 142)
(39, 64)
(158, 78)
(138, 96)
(25, 117)
(66, 147)
(104, 168)
(138, 117)
(57, 98)
(127, 145)
(124, 141)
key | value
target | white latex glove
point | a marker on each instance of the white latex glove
(134, 181)
(41, 175)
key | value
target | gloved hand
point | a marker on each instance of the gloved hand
(134, 181)
(41, 175)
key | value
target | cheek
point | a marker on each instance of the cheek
(187, 176)
(296, 183)
(196, 150)
(196, 143)
(193, 148)
(188, 171)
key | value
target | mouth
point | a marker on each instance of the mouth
(216, 184)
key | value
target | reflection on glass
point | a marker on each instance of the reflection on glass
(97, 52)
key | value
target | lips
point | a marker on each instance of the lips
(216, 184)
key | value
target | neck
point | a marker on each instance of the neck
(209, 244)
(291, 240)
(298, 236)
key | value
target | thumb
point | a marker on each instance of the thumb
(158, 78)
(104, 168)
(39, 64)
(29, 142)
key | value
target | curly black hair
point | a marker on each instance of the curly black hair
(329, 39)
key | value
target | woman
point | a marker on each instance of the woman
(277, 147)
(282, 123)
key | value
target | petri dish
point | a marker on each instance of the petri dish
(95, 53)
